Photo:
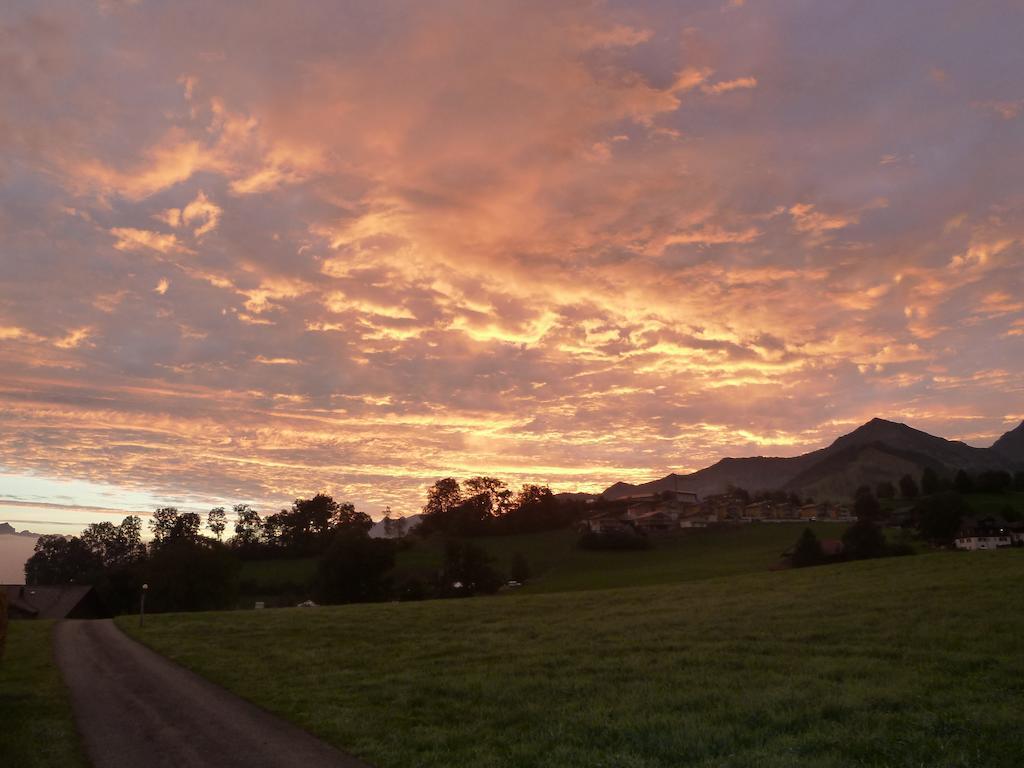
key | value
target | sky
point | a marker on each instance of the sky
(250, 251)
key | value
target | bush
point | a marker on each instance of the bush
(807, 550)
(520, 570)
(863, 540)
(467, 571)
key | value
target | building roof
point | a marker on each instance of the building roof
(54, 602)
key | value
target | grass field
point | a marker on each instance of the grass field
(36, 725)
(558, 565)
(911, 661)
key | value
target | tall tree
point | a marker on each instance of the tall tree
(162, 524)
(443, 496)
(346, 517)
(865, 505)
(248, 526)
(494, 490)
(186, 526)
(217, 521)
(929, 481)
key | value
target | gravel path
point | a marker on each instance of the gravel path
(136, 709)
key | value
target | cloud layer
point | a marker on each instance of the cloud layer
(254, 250)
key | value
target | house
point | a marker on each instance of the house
(758, 510)
(655, 522)
(811, 511)
(988, 533)
(662, 512)
(722, 507)
(607, 522)
(63, 601)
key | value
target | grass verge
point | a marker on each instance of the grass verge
(36, 724)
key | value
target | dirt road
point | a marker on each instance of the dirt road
(136, 709)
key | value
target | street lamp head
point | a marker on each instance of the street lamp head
(145, 586)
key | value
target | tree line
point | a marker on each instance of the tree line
(189, 567)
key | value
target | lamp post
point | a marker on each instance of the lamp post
(142, 604)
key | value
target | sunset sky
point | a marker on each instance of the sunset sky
(251, 251)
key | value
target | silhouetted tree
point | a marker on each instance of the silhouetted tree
(1018, 481)
(162, 524)
(248, 526)
(217, 521)
(535, 509)
(908, 487)
(865, 505)
(345, 517)
(807, 550)
(496, 491)
(115, 545)
(963, 482)
(929, 481)
(940, 517)
(442, 499)
(354, 568)
(186, 527)
(443, 496)
(61, 560)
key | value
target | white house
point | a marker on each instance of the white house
(983, 534)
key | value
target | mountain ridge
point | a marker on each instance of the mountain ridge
(879, 450)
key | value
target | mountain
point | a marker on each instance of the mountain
(1011, 445)
(877, 451)
(6, 529)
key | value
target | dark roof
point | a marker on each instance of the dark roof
(55, 602)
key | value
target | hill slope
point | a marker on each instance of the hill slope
(1011, 445)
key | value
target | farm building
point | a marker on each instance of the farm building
(67, 601)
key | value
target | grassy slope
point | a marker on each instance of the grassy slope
(899, 662)
(558, 565)
(36, 725)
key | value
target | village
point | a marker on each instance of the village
(671, 511)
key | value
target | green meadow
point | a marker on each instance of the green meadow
(912, 661)
(36, 725)
(558, 565)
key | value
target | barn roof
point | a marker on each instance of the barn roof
(54, 602)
